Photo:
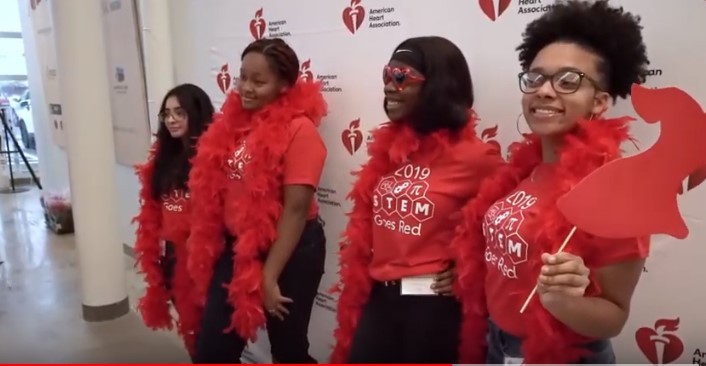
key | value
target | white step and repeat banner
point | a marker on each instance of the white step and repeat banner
(345, 43)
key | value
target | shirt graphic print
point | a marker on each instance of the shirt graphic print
(506, 247)
(400, 201)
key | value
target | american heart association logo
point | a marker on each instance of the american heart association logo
(659, 344)
(491, 11)
(353, 16)
(305, 71)
(257, 25)
(489, 135)
(223, 78)
(351, 137)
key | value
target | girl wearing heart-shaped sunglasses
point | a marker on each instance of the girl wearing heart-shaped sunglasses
(425, 163)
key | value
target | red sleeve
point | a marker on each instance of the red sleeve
(612, 251)
(305, 157)
(487, 163)
(478, 162)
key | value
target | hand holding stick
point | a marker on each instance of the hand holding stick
(561, 248)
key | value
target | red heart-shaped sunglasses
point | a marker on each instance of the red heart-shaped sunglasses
(401, 77)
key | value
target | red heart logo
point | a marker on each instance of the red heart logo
(488, 8)
(659, 344)
(257, 25)
(223, 79)
(305, 71)
(488, 136)
(353, 16)
(351, 137)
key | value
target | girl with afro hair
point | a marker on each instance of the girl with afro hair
(576, 60)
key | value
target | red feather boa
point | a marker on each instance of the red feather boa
(154, 305)
(392, 144)
(260, 204)
(548, 341)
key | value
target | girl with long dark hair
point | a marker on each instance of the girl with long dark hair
(164, 218)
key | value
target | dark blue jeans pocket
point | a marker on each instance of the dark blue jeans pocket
(602, 353)
(502, 346)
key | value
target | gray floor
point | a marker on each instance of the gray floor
(40, 300)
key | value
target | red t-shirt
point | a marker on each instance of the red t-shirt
(175, 216)
(510, 227)
(413, 206)
(303, 163)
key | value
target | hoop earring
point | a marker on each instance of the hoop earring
(517, 124)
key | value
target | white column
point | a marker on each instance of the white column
(81, 56)
(157, 51)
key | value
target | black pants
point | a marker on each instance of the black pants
(406, 329)
(168, 262)
(289, 338)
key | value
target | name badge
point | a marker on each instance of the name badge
(514, 360)
(418, 285)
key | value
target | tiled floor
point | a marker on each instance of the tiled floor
(40, 300)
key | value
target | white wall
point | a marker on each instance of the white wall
(53, 164)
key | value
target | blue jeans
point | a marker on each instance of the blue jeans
(502, 344)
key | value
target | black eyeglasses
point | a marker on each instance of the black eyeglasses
(563, 82)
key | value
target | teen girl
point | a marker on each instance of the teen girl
(257, 248)
(576, 60)
(164, 218)
(424, 166)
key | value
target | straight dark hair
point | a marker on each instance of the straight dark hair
(447, 94)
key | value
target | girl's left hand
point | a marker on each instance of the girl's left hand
(274, 302)
(444, 281)
(563, 274)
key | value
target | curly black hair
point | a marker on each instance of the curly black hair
(171, 164)
(612, 33)
(447, 93)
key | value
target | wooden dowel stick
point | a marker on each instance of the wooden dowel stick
(561, 248)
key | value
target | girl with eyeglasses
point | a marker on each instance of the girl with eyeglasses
(257, 247)
(424, 165)
(164, 218)
(577, 59)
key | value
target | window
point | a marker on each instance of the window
(10, 16)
